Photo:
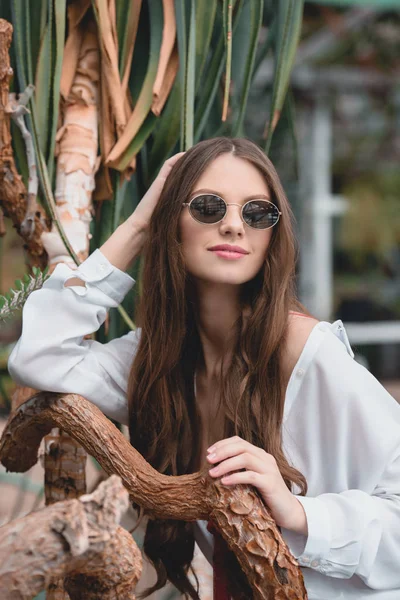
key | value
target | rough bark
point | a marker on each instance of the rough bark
(79, 539)
(64, 479)
(77, 149)
(251, 533)
(64, 465)
(56, 591)
(238, 513)
(20, 395)
(110, 575)
(64, 468)
(13, 193)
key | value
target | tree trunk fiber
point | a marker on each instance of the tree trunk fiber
(76, 539)
(77, 150)
(238, 513)
(13, 193)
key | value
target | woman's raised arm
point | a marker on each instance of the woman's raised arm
(52, 354)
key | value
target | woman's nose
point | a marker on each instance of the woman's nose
(232, 220)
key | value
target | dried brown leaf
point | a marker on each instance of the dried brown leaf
(70, 61)
(113, 21)
(132, 27)
(109, 65)
(275, 119)
(76, 12)
(168, 81)
(167, 44)
(103, 189)
(107, 130)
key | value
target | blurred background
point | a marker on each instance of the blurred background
(336, 147)
(345, 194)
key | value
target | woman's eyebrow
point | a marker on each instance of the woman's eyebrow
(207, 191)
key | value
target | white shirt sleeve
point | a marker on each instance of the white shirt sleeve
(51, 354)
(353, 461)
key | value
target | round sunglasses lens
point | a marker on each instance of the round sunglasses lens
(261, 214)
(207, 208)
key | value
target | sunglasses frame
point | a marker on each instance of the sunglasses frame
(233, 204)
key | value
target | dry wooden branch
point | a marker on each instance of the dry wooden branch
(13, 193)
(237, 512)
(110, 575)
(17, 110)
(79, 539)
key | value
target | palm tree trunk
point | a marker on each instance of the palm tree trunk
(77, 149)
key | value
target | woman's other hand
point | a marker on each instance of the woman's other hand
(239, 461)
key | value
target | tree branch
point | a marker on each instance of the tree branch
(238, 512)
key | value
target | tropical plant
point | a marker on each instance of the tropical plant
(160, 75)
(14, 299)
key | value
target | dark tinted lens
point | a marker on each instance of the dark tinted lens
(260, 214)
(208, 208)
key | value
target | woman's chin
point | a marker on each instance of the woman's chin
(222, 278)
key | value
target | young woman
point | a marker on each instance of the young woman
(228, 369)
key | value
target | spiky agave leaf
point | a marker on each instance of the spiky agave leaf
(14, 299)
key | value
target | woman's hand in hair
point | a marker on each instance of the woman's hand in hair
(239, 462)
(127, 241)
(141, 216)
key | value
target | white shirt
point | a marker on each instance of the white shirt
(341, 428)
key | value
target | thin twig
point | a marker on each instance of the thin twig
(17, 110)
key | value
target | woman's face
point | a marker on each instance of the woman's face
(234, 179)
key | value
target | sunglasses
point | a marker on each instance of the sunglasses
(210, 209)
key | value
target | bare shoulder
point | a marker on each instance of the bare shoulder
(299, 329)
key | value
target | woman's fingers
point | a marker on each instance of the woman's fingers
(169, 163)
(231, 447)
(224, 442)
(144, 210)
(175, 157)
(241, 461)
(244, 477)
(232, 441)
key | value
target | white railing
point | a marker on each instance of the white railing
(373, 332)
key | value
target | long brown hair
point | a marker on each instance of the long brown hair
(164, 422)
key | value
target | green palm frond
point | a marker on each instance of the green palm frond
(288, 23)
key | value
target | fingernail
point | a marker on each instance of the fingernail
(211, 456)
(210, 449)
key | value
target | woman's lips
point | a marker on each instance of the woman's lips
(228, 254)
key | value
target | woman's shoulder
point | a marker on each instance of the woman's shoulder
(299, 330)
